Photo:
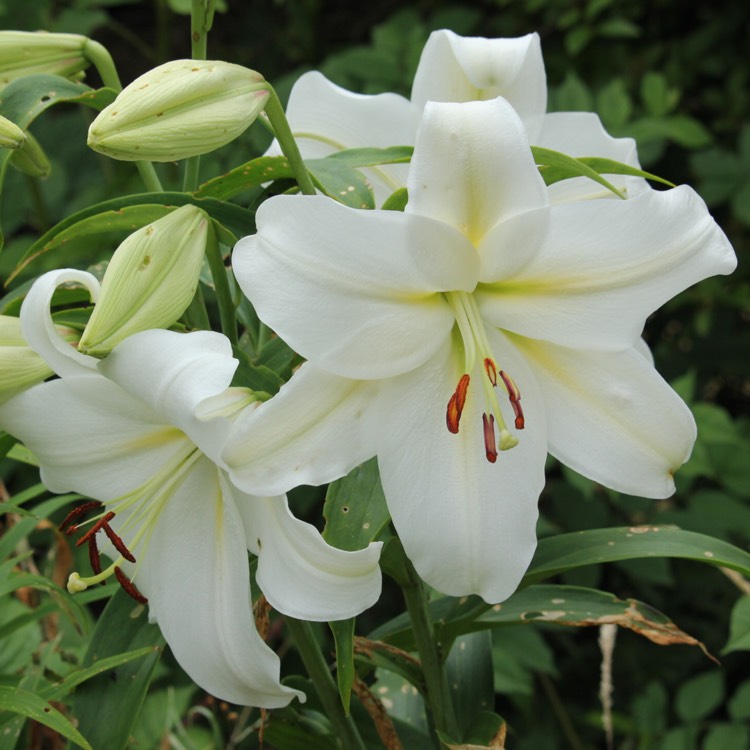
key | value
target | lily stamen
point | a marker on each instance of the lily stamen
(456, 404)
(67, 525)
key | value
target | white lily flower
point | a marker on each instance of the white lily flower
(326, 118)
(141, 432)
(424, 328)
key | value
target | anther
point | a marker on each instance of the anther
(490, 447)
(514, 395)
(101, 523)
(117, 543)
(456, 404)
(129, 587)
(491, 370)
(77, 513)
(96, 564)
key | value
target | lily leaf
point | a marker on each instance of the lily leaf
(341, 182)
(600, 166)
(371, 157)
(114, 214)
(246, 176)
(566, 166)
(19, 701)
(343, 636)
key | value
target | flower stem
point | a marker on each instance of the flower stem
(438, 695)
(344, 726)
(198, 46)
(284, 136)
(149, 176)
(221, 287)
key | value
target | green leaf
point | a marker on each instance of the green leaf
(610, 166)
(468, 670)
(567, 165)
(107, 705)
(613, 104)
(20, 701)
(557, 554)
(739, 627)
(24, 99)
(739, 703)
(341, 182)
(370, 157)
(246, 176)
(656, 96)
(240, 221)
(343, 636)
(258, 378)
(355, 509)
(699, 696)
(396, 201)
(725, 735)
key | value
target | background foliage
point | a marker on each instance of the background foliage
(677, 81)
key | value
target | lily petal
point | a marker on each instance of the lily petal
(466, 524)
(453, 68)
(314, 430)
(606, 266)
(185, 369)
(370, 282)
(40, 331)
(90, 436)
(301, 575)
(468, 175)
(196, 577)
(326, 118)
(612, 417)
(582, 134)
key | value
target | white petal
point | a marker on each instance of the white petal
(172, 373)
(472, 167)
(326, 118)
(40, 331)
(196, 577)
(301, 575)
(315, 430)
(612, 417)
(606, 266)
(462, 69)
(466, 524)
(90, 436)
(582, 134)
(355, 292)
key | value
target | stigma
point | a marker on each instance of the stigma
(479, 362)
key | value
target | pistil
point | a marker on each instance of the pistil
(476, 346)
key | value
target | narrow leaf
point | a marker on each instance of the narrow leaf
(343, 636)
(341, 182)
(569, 167)
(28, 704)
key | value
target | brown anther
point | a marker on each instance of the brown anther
(491, 370)
(514, 395)
(96, 564)
(117, 543)
(77, 513)
(129, 587)
(456, 404)
(100, 524)
(490, 446)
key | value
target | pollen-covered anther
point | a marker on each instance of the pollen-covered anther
(456, 404)
(490, 446)
(514, 396)
(491, 369)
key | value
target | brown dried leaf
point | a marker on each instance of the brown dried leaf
(374, 706)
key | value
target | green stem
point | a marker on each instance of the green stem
(100, 58)
(288, 145)
(438, 695)
(344, 726)
(149, 176)
(221, 287)
(192, 170)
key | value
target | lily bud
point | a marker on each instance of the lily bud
(180, 109)
(150, 280)
(25, 53)
(31, 159)
(20, 366)
(11, 136)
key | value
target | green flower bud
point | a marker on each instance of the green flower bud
(180, 109)
(11, 136)
(25, 53)
(150, 280)
(31, 159)
(20, 367)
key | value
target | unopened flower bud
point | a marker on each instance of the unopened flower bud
(25, 53)
(11, 136)
(150, 280)
(31, 159)
(180, 109)
(20, 366)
